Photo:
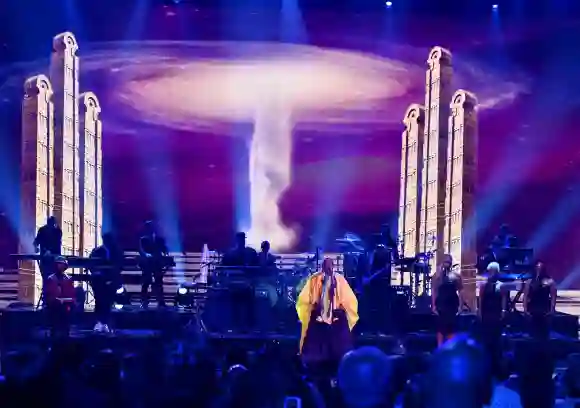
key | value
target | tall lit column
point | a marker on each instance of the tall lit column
(410, 195)
(36, 178)
(91, 197)
(460, 189)
(64, 77)
(437, 100)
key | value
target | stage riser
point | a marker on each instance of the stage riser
(18, 324)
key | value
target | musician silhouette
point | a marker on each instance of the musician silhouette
(240, 254)
(105, 279)
(48, 243)
(267, 261)
(152, 248)
(242, 297)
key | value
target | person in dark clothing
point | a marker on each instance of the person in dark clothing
(492, 307)
(245, 260)
(240, 254)
(266, 260)
(48, 243)
(152, 248)
(377, 292)
(446, 299)
(540, 301)
(105, 279)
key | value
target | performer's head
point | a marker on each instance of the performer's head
(504, 230)
(446, 262)
(60, 265)
(265, 246)
(496, 243)
(149, 227)
(493, 268)
(51, 221)
(327, 266)
(540, 269)
(240, 240)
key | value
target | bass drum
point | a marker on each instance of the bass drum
(268, 292)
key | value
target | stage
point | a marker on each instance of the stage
(151, 331)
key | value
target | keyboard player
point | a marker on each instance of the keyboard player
(245, 260)
(105, 279)
(48, 243)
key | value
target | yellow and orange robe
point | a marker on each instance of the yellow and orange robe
(312, 296)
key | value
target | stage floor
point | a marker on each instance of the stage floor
(153, 329)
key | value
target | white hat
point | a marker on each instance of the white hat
(493, 266)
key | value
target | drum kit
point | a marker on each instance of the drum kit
(291, 284)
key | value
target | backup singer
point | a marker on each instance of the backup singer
(540, 301)
(60, 295)
(328, 310)
(492, 306)
(152, 248)
(446, 299)
(105, 280)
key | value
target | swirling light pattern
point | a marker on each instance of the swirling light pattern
(273, 87)
(282, 90)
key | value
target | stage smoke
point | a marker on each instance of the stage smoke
(270, 176)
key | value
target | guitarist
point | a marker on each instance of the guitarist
(376, 290)
(152, 248)
(105, 279)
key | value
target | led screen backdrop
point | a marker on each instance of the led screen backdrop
(195, 100)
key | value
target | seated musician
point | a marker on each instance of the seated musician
(266, 260)
(105, 279)
(60, 296)
(239, 258)
(48, 243)
(152, 248)
(539, 300)
(328, 310)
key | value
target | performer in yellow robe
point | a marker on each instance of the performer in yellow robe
(328, 310)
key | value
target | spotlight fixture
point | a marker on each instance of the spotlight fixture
(389, 4)
(122, 298)
(495, 7)
(184, 296)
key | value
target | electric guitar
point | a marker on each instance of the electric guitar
(370, 279)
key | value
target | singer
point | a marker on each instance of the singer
(446, 299)
(328, 310)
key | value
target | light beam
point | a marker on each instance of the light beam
(270, 175)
